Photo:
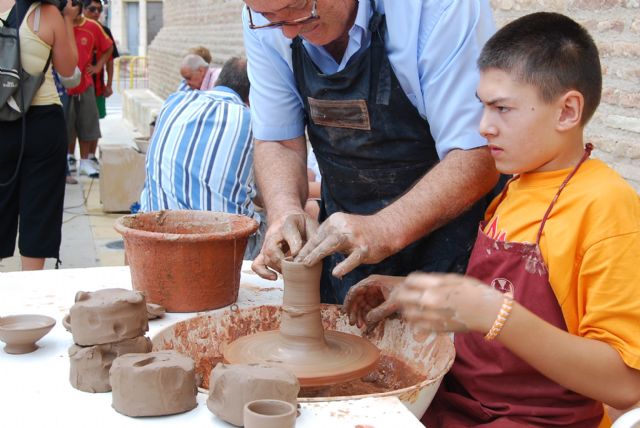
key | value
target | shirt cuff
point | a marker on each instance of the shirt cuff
(464, 142)
(277, 133)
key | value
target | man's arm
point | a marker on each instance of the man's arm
(281, 176)
(446, 191)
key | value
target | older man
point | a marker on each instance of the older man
(387, 96)
(197, 74)
(200, 156)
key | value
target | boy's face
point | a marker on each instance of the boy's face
(520, 128)
(93, 11)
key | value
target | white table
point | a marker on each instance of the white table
(35, 389)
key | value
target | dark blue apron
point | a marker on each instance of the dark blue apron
(372, 146)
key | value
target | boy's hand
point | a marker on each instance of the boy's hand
(366, 303)
(92, 69)
(447, 302)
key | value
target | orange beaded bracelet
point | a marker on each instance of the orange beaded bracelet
(501, 319)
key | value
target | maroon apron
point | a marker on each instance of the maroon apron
(488, 385)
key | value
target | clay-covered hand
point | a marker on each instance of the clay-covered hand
(364, 239)
(447, 302)
(366, 303)
(284, 238)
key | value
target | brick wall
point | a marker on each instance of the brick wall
(614, 24)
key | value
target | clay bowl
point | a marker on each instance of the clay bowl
(205, 337)
(186, 261)
(21, 332)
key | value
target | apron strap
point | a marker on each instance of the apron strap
(587, 152)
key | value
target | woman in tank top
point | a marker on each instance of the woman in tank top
(33, 201)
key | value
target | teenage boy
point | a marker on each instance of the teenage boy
(92, 10)
(557, 331)
(82, 112)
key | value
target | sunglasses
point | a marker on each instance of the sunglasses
(313, 16)
(94, 9)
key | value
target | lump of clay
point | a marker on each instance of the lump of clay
(154, 384)
(231, 386)
(90, 365)
(109, 315)
(155, 311)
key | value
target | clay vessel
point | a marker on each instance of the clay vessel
(269, 414)
(186, 261)
(315, 356)
(21, 332)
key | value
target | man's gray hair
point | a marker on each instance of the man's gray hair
(193, 62)
(234, 76)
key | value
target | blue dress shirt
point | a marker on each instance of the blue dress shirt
(432, 46)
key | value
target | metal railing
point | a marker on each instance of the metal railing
(130, 72)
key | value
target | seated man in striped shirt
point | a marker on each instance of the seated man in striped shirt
(200, 156)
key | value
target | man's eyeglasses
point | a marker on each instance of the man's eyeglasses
(94, 9)
(313, 16)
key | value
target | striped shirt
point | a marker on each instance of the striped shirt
(201, 156)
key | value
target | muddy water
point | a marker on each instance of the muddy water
(390, 374)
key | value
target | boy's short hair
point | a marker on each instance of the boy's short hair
(550, 52)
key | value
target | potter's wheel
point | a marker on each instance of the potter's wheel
(316, 357)
(341, 358)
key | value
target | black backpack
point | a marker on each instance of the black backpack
(17, 87)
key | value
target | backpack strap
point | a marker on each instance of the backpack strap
(36, 20)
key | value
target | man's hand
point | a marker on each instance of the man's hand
(108, 91)
(283, 238)
(447, 302)
(364, 239)
(366, 303)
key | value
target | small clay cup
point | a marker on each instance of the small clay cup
(269, 414)
(21, 332)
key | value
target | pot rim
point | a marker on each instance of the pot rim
(247, 226)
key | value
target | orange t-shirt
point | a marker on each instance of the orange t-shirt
(591, 245)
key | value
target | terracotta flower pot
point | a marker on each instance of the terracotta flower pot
(186, 261)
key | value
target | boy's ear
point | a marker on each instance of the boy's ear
(571, 106)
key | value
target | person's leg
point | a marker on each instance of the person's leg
(88, 132)
(32, 263)
(70, 108)
(42, 187)
(9, 152)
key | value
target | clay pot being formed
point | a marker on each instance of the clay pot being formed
(186, 261)
(269, 414)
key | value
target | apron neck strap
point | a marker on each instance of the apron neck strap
(376, 18)
(587, 152)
